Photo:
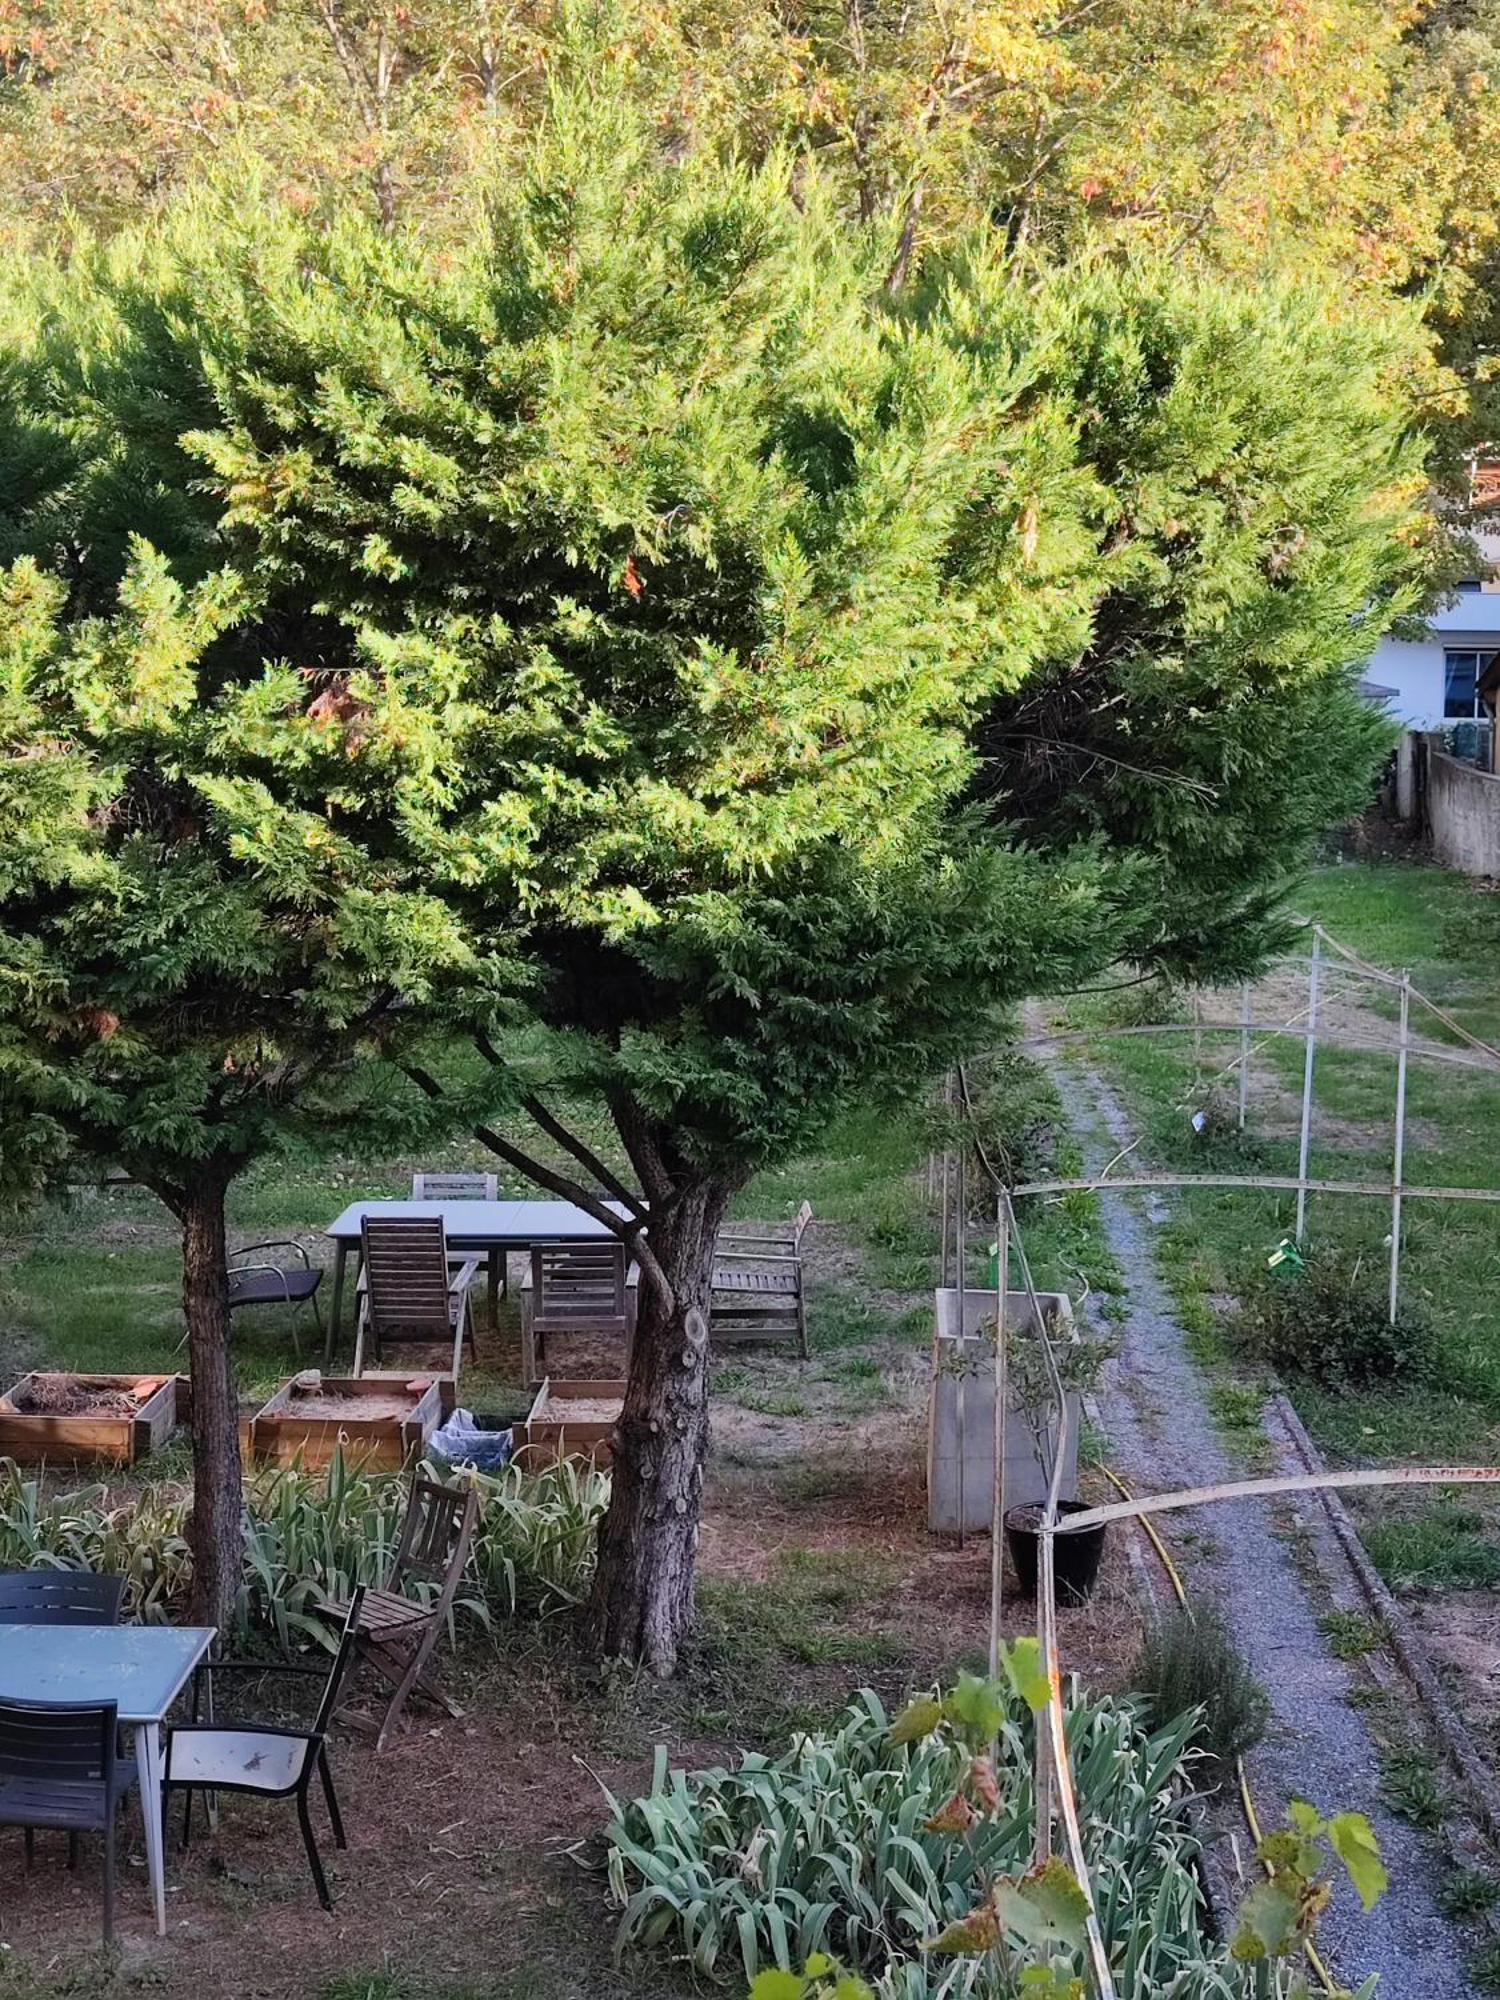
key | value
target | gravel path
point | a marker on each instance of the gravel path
(1162, 1435)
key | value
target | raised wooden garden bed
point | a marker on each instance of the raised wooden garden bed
(573, 1418)
(64, 1419)
(375, 1420)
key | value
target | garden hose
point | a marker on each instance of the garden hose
(1252, 1818)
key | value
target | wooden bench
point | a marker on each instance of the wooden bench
(757, 1283)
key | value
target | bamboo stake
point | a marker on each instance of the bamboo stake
(1002, 1393)
(1305, 1146)
(1398, 1161)
(1244, 1051)
(1094, 1184)
(1286, 1482)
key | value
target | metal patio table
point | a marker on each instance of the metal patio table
(142, 1669)
(468, 1225)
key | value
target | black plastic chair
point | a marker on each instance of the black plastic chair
(273, 1760)
(60, 1597)
(275, 1284)
(59, 1770)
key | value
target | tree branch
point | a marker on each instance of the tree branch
(569, 1141)
(644, 1153)
(630, 1230)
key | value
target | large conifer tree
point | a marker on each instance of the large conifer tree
(751, 683)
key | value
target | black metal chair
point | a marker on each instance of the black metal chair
(275, 1284)
(274, 1760)
(60, 1597)
(59, 1769)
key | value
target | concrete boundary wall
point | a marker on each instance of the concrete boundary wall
(1463, 814)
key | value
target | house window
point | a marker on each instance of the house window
(1460, 672)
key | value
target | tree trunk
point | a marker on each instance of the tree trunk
(648, 1542)
(218, 1499)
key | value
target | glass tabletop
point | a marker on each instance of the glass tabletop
(141, 1668)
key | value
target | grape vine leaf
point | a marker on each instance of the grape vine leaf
(1046, 1906)
(1354, 1841)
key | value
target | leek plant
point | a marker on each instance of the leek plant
(312, 1535)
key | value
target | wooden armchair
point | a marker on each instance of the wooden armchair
(757, 1283)
(575, 1288)
(408, 1291)
(398, 1628)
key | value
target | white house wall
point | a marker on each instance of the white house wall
(1414, 668)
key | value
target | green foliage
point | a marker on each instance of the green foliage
(629, 618)
(1190, 1664)
(1280, 1914)
(309, 1536)
(840, 1846)
(1467, 1893)
(1448, 1545)
(1410, 1786)
(820, 1979)
(1015, 1114)
(1350, 1635)
(666, 625)
(1330, 1322)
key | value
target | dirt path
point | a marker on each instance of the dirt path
(1319, 1748)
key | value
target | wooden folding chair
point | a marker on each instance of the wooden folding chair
(757, 1283)
(575, 1288)
(407, 1290)
(398, 1631)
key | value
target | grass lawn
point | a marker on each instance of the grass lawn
(473, 1872)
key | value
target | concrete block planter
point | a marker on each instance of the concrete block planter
(961, 1414)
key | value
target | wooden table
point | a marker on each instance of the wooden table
(142, 1669)
(468, 1225)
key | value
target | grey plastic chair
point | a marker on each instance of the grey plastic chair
(273, 1760)
(59, 1769)
(60, 1597)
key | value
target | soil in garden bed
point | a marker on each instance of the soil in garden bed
(579, 1410)
(66, 1398)
(319, 1409)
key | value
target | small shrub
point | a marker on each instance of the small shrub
(1487, 1969)
(1330, 1323)
(1409, 1785)
(1018, 1119)
(1350, 1636)
(1189, 1664)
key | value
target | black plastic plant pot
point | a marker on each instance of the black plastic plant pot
(1075, 1558)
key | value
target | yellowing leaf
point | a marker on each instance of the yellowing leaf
(917, 1720)
(1267, 1926)
(775, 1985)
(957, 1816)
(1354, 1842)
(1026, 1673)
(976, 1932)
